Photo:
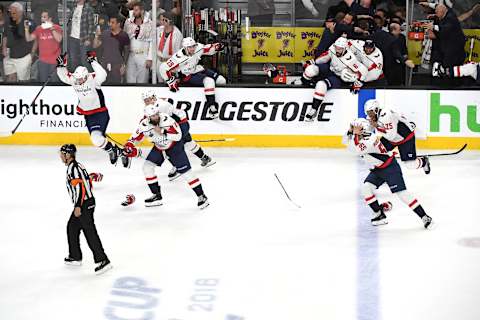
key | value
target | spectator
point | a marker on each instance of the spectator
(363, 8)
(100, 17)
(448, 38)
(39, 6)
(115, 44)
(16, 50)
(335, 9)
(141, 31)
(399, 56)
(81, 33)
(169, 40)
(261, 12)
(2, 34)
(48, 37)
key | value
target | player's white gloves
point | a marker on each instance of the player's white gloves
(173, 84)
(348, 75)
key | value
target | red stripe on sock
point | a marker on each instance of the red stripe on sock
(151, 178)
(413, 203)
(370, 198)
(193, 181)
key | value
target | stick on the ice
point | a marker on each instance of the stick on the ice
(446, 153)
(12, 132)
(288, 197)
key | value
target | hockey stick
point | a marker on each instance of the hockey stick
(217, 140)
(285, 191)
(12, 132)
(445, 154)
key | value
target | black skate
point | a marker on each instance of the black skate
(379, 219)
(427, 222)
(213, 111)
(203, 202)
(173, 174)
(72, 262)
(103, 267)
(113, 153)
(207, 161)
(126, 161)
(154, 201)
(311, 115)
(426, 168)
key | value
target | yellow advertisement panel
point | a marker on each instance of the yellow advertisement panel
(279, 44)
(415, 48)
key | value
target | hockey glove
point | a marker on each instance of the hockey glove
(173, 84)
(308, 62)
(130, 150)
(91, 56)
(219, 46)
(129, 199)
(96, 176)
(62, 60)
(356, 87)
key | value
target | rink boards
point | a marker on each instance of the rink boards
(254, 117)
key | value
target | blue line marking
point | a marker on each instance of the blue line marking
(368, 273)
(363, 96)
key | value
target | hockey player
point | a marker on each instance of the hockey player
(398, 132)
(180, 116)
(333, 68)
(371, 57)
(183, 67)
(470, 69)
(383, 169)
(91, 100)
(166, 135)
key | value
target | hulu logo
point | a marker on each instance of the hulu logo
(436, 110)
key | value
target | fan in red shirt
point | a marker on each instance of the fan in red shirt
(48, 36)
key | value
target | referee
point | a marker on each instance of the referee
(79, 187)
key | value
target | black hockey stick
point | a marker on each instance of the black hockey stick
(445, 154)
(286, 191)
(12, 132)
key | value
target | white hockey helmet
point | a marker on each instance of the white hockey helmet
(188, 42)
(372, 105)
(148, 94)
(340, 45)
(80, 75)
(365, 124)
(151, 110)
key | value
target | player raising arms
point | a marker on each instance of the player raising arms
(180, 116)
(91, 100)
(398, 132)
(184, 67)
(383, 169)
(166, 135)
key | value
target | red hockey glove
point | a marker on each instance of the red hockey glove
(130, 150)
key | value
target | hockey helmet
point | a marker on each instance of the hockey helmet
(340, 45)
(148, 95)
(151, 110)
(372, 109)
(369, 46)
(69, 148)
(80, 75)
(365, 124)
(188, 42)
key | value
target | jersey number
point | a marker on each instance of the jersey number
(388, 126)
(170, 63)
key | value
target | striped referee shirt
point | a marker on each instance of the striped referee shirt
(79, 184)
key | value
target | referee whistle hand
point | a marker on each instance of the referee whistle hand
(77, 212)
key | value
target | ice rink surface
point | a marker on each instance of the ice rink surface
(251, 254)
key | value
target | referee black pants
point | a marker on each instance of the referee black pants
(86, 224)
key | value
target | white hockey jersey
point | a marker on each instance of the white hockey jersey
(182, 62)
(347, 61)
(394, 127)
(371, 150)
(373, 61)
(169, 133)
(90, 95)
